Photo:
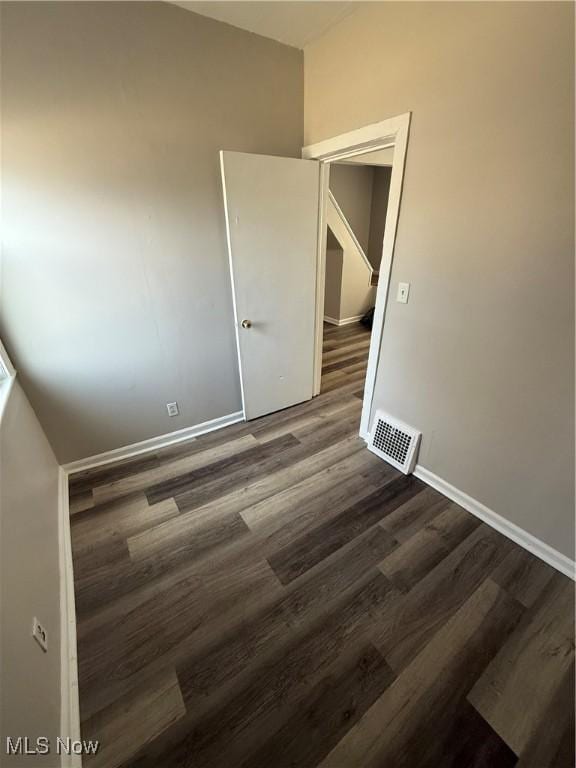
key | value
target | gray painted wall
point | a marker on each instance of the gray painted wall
(116, 294)
(482, 357)
(379, 206)
(29, 577)
(333, 283)
(351, 185)
(362, 194)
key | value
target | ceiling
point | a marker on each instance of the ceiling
(292, 23)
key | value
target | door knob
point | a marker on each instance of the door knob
(246, 324)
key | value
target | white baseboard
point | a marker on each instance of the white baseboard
(69, 700)
(344, 321)
(537, 547)
(152, 443)
(512, 531)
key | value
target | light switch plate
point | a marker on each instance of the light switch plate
(172, 409)
(403, 292)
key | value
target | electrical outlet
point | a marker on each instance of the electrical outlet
(40, 634)
(172, 409)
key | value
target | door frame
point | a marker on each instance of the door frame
(387, 133)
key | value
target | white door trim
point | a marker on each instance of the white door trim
(231, 268)
(391, 132)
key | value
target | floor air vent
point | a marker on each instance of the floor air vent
(394, 441)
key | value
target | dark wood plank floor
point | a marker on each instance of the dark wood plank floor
(272, 595)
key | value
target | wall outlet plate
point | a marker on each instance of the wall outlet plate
(40, 634)
(172, 409)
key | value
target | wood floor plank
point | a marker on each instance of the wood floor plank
(143, 480)
(201, 535)
(350, 385)
(81, 501)
(134, 720)
(192, 651)
(201, 603)
(331, 378)
(414, 620)
(446, 666)
(348, 365)
(359, 469)
(466, 740)
(552, 742)
(337, 413)
(341, 336)
(411, 516)
(223, 467)
(564, 756)
(523, 576)
(87, 479)
(92, 566)
(342, 353)
(309, 597)
(530, 667)
(344, 332)
(343, 379)
(127, 578)
(409, 563)
(276, 532)
(201, 443)
(238, 725)
(309, 444)
(219, 436)
(346, 338)
(302, 554)
(318, 417)
(122, 517)
(174, 536)
(332, 708)
(315, 406)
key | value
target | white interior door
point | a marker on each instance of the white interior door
(271, 208)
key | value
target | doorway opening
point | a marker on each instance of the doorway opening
(278, 213)
(357, 203)
(387, 137)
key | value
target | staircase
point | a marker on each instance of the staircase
(342, 230)
(357, 293)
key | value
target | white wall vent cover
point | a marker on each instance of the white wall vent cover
(394, 441)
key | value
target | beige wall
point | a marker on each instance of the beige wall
(481, 359)
(357, 296)
(333, 282)
(356, 293)
(351, 185)
(361, 191)
(29, 576)
(347, 291)
(379, 206)
(116, 294)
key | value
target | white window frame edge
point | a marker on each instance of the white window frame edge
(7, 370)
(391, 132)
